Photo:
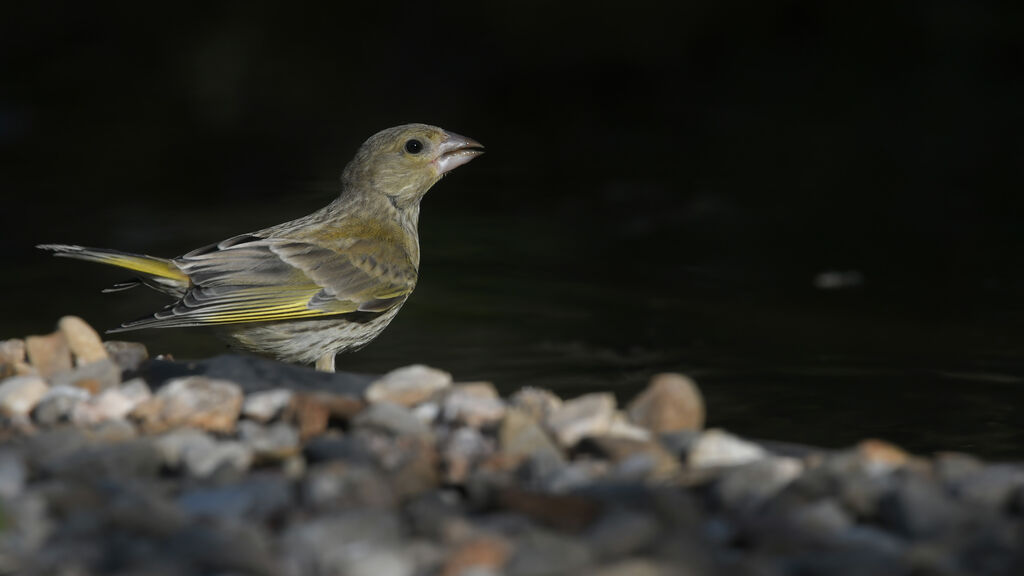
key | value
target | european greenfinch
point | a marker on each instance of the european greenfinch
(326, 283)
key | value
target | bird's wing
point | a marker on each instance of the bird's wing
(252, 279)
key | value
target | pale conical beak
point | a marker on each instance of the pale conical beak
(456, 151)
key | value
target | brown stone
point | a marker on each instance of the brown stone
(408, 386)
(587, 415)
(12, 351)
(537, 403)
(311, 412)
(881, 456)
(127, 355)
(671, 402)
(84, 342)
(521, 437)
(196, 401)
(475, 404)
(486, 554)
(48, 354)
(562, 511)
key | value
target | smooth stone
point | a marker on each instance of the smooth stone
(587, 415)
(477, 557)
(128, 355)
(521, 437)
(260, 497)
(544, 553)
(992, 486)
(636, 460)
(48, 354)
(391, 418)
(12, 351)
(267, 405)
(200, 455)
(622, 428)
(95, 377)
(746, 487)
(194, 401)
(621, 533)
(919, 508)
(13, 473)
(58, 404)
(84, 342)
(111, 404)
(20, 394)
(461, 450)
(274, 442)
(353, 543)
(717, 448)
(671, 402)
(409, 385)
(341, 486)
(475, 405)
(537, 403)
(427, 412)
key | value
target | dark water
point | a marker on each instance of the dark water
(567, 301)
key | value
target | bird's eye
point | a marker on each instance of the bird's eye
(413, 146)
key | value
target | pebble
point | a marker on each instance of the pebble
(20, 394)
(341, 486)
(274, 442)
(475, 405)
(200, 455)
(478, 556)
(13, 474)
(12, 351)
(718, 448)
(84, 342)
(748, 486)
(588, 415)
(521, 437)
(312, 412)
(95, 377)
(58, 404)
(391, 418)
(545, 553)
(128, 355)
(262, 497)
(194, 401)
(265, 406)
(671, 402)
(352, 543)
(48, 354)
(537, 403)
(111, 404)
(635, 459)
(992, 486)
(461, 450)
(408, 386)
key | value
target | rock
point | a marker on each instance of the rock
(880, 457)
(275, 442)
(621, 533)
(635, 459)
(20, 394)
(588, 415)
(622, 428)
(342, 486)
(408, 386)
(391, 418)
(475, 405)
(12, 351)
(13, 474)
(97, 459)
(992, 486)
(200, 455)
(562, 511)
(480, 555)
(953, 467)
(58, 404)
(261, 497)
(195, 401)
(84, 342)
(95, 377)
(128, 355)
(537, 403)
(312, 411)
(718, 448)
(111, 431)
(461, 450)
(353, 543)
(521, 437)
(111, 404)
(746, 487)
(638, 567)
(48, 354)
(918, 508)
(544, 553)
(671, 402)
(265, 406)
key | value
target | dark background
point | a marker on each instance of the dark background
(662, 187)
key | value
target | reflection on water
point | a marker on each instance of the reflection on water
(527, 301)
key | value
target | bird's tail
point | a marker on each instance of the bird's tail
(158, 273)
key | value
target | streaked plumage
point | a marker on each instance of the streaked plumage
(308, 289)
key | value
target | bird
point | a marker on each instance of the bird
(311, 288)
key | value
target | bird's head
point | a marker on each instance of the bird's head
(405, 161)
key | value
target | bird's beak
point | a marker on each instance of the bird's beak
(456, 151)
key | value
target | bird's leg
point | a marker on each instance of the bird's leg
(326, 362)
